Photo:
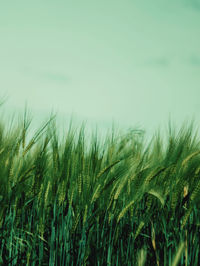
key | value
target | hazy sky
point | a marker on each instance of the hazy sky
(131, 61)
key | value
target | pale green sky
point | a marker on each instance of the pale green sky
(132, 61)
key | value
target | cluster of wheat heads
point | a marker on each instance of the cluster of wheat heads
(115, 202)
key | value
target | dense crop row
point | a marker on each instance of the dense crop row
(117, 202)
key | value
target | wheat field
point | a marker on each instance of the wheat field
(111, 202)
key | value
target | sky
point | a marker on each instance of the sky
(131, 62)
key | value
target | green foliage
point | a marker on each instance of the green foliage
(115, 202)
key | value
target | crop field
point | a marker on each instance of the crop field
(110, 202)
